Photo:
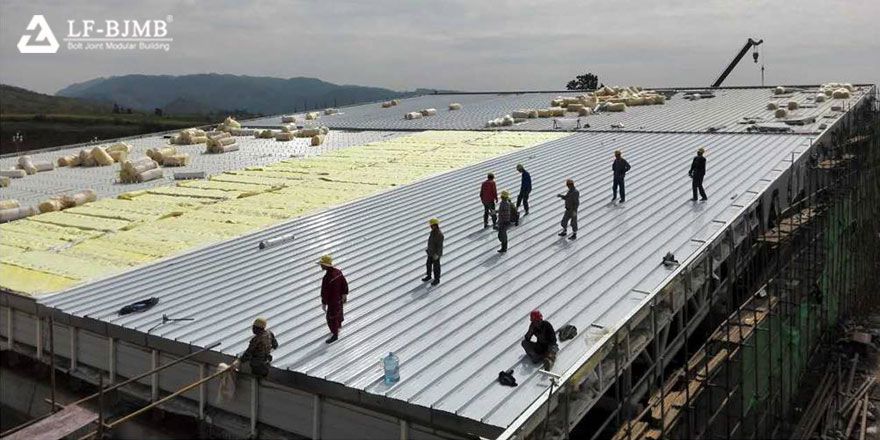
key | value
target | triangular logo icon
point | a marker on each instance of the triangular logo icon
(44, 42)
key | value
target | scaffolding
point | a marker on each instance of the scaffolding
(795, 276)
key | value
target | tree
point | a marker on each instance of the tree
(157, 111)
(587, 81)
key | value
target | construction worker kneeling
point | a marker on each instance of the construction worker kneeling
(259, 349)
(544, 349)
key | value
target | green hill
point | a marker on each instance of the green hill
(15, 100)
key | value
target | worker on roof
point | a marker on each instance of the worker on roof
(572, 201)
(525, 188)
(259, 348)
(334, 293)
(435, 251)
(488, 195)
(506, 216)
(619, 167)
(544, 348)
(698, 170)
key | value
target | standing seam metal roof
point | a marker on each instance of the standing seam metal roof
(453, 339)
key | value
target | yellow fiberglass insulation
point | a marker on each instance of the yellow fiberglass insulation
(55, 250)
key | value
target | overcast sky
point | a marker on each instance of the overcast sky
(464, 45)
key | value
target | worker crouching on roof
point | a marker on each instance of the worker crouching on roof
(505, 218)
(435, 251)
(334, 293)
(259, 349)
(545, 348)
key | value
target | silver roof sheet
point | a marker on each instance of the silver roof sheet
(36, 188)
(452, 340)
(724, 112)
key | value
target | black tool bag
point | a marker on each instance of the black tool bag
(139, 306)
(567, 332)
(506, 378)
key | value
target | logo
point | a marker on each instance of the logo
(45, 41)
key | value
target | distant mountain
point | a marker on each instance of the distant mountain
(17, 100)
(215, 92)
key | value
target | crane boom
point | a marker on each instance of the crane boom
(749, 44)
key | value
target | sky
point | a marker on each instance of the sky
(468, 45)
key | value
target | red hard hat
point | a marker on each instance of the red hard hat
(536, 315)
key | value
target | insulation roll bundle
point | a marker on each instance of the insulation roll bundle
(585, 111)
(574, 107)
(507, 120)
(331, 111)
(241, 131)
(615, 107)
(395, 102)
(132, 169)
(781, 113)
(219, 143)
(309, 132)
(840, 93)
(27, 164)
(9, 204)
(413, 115)
(222, 141)
(4, 181)
(556, 111)
(543, 113)
(288, 128)
(820, 97)
(556, 102)
(286, 136)
(429, 112)
(286, 119)
(159, 154)
(225, 148)
(589, 101)
(567, 101)
(119, 146)
(387, 104)
(659, 99)
(86, 159)
(50, 205)
(520, 114)
(68, 161)
(454, 106)
(312, 116)
(265, 134)
(118, 156)
(79, 198)
(192, 136)
(8, 215)
(44, 165)
(146, 176)
(317, 140)
(229, 123)
(325, 130)
(14, 174)
(632, 102)
(519, 120)
(772, 106)
(792, 105)
(176, 160)
(779, 90)
(101, 157)
(533, 113)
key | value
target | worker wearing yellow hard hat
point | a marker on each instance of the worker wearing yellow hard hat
(334, 293)
(257, 354)
(434, 251)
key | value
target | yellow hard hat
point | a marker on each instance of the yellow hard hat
(505, 195)
(326, 260)
(433, 222)
(260, 323)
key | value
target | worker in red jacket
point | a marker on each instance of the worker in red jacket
(489, 195)
(334, 293)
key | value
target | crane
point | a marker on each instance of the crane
(749, 44)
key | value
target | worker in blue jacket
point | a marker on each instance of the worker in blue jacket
(619, 168)
(525, 188)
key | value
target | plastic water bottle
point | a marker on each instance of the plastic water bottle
(392, 369)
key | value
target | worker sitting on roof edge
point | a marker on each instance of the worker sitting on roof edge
(334, 293)
(259, 348)
(544, 349)
(619, 167)
(697, 172)
(505, 218)
(488, 195)
(572, 202)
(525, 188)
(434, 251)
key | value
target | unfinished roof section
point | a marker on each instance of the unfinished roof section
(36, 188)
(452, 340)
(729, 111)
